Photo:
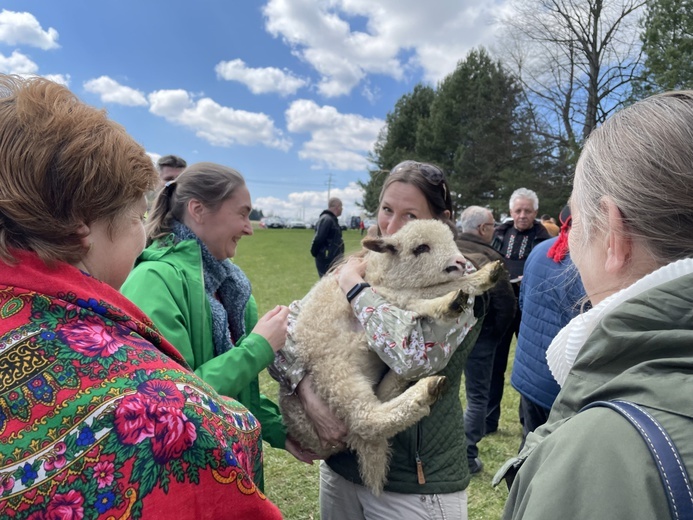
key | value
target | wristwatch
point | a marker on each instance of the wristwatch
(355, 290)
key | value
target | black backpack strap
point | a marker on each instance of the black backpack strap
(667, 459)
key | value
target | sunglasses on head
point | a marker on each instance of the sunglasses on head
(431, 173)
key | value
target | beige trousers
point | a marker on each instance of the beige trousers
(344, 500)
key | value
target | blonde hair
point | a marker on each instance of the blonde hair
(209, 183)
(642, 159)
(62, 164)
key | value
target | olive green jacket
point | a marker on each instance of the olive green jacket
(168, 285)
(595, 464)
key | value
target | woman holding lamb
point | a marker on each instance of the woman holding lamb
(428, 473)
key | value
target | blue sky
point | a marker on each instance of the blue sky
(292, 93)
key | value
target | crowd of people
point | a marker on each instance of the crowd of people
(131, 344)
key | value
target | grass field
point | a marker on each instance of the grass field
(281, 269)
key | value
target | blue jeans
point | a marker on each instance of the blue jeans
(477, 381)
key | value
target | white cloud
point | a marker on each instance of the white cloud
(217, 124)
(154, 157)
(110, 91)
(260, 80)
(24, 29)
(338, 141)
(63, 79)
(17, 63)
(22, 65)
(398, 35)
(309, 204)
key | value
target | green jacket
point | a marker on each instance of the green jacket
(595, 464)
(168, 285)
(437, 441)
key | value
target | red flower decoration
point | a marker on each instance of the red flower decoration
(66, 507)
(163, 393)
(134, 419)
(243, 457)
(173, 434)
(91, 338)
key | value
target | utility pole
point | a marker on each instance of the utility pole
(329, 186)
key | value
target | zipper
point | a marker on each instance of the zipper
(421, 477)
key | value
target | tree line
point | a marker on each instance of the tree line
(518, 117)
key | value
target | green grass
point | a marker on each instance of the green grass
(281, 269)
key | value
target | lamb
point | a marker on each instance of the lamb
(419, 269)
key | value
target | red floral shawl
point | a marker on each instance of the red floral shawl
(98, 419)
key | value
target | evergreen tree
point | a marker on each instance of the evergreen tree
(667, 40)
(397, 141)
(477, 133)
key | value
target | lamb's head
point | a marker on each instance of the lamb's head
(421, 254)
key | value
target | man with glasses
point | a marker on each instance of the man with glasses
(477, 226)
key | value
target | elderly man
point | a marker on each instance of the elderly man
(328, 244)
(477, 227)
(514, 240)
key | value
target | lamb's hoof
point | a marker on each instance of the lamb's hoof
(436, 386)
(459, 303)
(493, 273)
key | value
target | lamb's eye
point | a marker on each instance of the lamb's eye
(423, 248)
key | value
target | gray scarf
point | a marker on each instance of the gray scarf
(229, 284)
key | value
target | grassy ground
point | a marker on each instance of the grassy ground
(281, 269)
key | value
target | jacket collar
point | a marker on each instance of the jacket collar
(568, 343)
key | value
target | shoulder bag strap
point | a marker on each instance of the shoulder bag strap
(667, 459)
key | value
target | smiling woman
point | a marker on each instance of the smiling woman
(199, 300)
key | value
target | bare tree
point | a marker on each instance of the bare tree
(575, 59)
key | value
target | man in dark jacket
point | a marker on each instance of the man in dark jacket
(475, 243)
(514, 240)
(328, 244)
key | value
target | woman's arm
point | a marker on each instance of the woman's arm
(411, 345)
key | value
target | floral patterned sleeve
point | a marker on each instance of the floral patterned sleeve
(286, 368)
(409, 344)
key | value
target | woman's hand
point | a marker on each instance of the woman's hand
(351, 272)
(331, 429)
(302, 454)
(272, 326)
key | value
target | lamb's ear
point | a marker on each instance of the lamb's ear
(379, 245)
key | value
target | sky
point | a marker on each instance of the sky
(291, 93)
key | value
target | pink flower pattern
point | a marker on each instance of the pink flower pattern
(134, 419)
(173, 434)
(104, 472)
(91, 338)
(66, 507)
(163, 393)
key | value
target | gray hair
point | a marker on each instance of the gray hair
(334, 202)
(209, 183)
(642, 159)
(472, 217)
(524, 193)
